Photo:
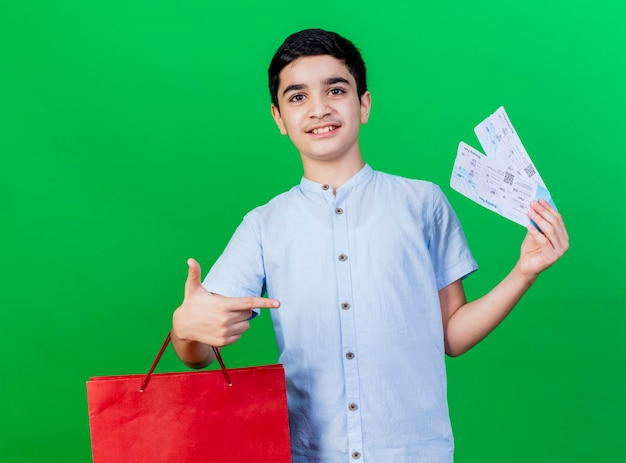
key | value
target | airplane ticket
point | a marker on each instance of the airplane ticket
(492, 184)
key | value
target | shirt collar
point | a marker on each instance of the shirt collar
(362, 175)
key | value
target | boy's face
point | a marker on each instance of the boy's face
(320, 108)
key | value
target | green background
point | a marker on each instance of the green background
(134, 134)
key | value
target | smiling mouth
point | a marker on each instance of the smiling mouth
(328, 128)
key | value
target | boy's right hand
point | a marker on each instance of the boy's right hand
(210, 318)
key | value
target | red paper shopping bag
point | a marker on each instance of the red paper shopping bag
(190, 417)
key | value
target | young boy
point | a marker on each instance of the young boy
(368, 269)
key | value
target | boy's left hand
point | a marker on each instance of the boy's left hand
(540, 249)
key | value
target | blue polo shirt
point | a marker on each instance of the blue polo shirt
(359, 329)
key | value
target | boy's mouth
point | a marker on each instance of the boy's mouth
(325, 129)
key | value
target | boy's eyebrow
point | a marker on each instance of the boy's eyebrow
(336, 80)
(292, 87)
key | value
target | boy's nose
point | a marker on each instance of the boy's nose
(319, 107)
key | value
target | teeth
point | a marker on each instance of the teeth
(324, 129)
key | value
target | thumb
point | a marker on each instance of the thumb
(193, 276)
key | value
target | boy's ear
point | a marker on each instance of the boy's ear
(278, 119)
(366, 106)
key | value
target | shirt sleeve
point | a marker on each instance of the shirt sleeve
(239, 271)
(448, 246)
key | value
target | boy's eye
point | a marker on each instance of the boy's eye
(337, 91)
(297, 97)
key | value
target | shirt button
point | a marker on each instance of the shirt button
(343, 257)
(353, 407)
(325, 186)
(350, 355)
(339, 211)
(345, 305)
(356, 455)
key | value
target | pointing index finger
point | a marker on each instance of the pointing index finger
(247, 303)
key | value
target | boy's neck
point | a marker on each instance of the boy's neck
(334, 172)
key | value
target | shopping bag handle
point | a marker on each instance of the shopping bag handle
(216, 351)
